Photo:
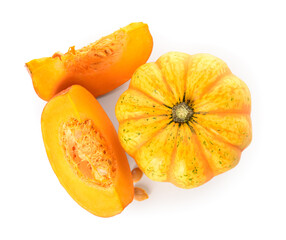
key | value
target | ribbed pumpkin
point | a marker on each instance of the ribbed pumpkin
(185, 118)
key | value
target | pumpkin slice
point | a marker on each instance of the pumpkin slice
(99, 67)
(85, 154)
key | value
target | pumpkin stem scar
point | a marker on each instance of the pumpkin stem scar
(182, 113)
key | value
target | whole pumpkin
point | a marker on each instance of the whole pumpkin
(185, 118)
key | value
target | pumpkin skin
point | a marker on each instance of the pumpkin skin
(85, 154)
(99, 67)
(185, 118)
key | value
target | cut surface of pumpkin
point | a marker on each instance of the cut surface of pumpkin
(185, 118)
(99, 67)
(85, 154)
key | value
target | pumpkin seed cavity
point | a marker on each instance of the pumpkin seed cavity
(85, 150)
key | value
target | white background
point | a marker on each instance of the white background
(248, 202)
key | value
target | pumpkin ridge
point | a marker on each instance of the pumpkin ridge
(230, 130)
(147, 95)
(165, 140)
(186, 76)
(191, 127)
(196, 85)
(209, 169)
(220, 138)
(142, 117)
(227, 112)
(155, 134)
(133, 104)
(207, 149)
(213, 84)
(165, 81)
(173, 155)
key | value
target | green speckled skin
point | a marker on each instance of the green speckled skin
(185, 153)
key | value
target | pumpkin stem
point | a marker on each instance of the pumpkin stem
(182, 113)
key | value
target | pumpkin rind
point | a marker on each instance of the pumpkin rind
(208, 142)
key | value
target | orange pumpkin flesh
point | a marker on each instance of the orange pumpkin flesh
(85, 154)
(185, 119)
(99, 67)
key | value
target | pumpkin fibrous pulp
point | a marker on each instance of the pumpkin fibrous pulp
(185, 118)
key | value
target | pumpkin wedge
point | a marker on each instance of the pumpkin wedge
(85, 154)
(99, 67)
(185, 118)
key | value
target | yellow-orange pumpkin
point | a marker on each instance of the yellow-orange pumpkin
(185, 118)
